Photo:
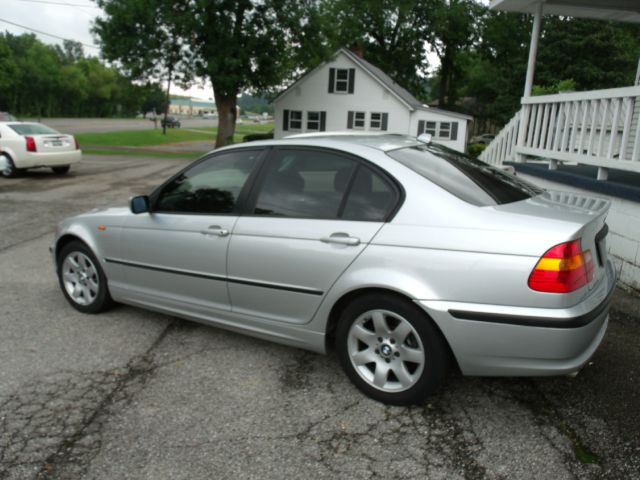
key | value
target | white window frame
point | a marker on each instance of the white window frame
(377, 121)
(446, 128)
(316, 121)
(299, 120)
(344, 81)
(431, 127)
(356, 120)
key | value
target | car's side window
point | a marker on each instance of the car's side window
(304, 183)
(371, 197)
(209, 187)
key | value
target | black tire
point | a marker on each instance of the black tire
(61, 170)
(11, 171)
(102, 300)
(436, 352)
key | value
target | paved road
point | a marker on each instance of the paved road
(134, 394)
(82, 125)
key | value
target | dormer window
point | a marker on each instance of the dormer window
(341, 80)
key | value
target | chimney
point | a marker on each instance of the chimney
(357, 49)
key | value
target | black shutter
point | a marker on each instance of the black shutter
(454, 130)
(323, 121)
(332, 76)
(285, 120)
(350, 120)
(385, 120)
(420, 127)
(352, 79)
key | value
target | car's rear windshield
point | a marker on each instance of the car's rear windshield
(470, 180)
(32, 129)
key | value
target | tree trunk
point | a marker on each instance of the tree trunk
(166, 106)
(226, 105)
(444, 77)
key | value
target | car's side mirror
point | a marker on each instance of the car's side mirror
(139, 204)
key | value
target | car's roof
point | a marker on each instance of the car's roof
(380, 141)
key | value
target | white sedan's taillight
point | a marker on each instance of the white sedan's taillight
(31, 144)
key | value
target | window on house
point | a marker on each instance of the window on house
(445, 130)
(295, 120)
(313, 121)
(376, 121)
(358, 119)
(342, 80)
(431, 128)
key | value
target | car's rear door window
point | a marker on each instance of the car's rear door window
(470, 180)
(304, 183)
(371, 197)
(211, 186)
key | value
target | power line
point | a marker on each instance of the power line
(50, 2)
(47, 34)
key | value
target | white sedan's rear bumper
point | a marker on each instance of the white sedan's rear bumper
(46, 159)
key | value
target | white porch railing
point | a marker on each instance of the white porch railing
(599, 127)
(502, 148)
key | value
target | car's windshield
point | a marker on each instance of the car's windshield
(32, 129)
(470, 180)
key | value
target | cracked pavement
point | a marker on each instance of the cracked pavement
(136, 394)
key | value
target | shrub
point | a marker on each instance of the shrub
(252, 137)
(475, 149)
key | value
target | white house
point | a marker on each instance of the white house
(348, 93)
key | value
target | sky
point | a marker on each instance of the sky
(72, 19)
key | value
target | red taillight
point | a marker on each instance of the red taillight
(77, 144)
(31, 144)
(562, 269)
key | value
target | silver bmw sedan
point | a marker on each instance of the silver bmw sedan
(406, 258)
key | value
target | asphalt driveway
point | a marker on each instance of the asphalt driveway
(135, 394)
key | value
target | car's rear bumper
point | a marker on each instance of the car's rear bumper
(48, 159)
(503, 340)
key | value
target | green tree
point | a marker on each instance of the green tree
(147, 38)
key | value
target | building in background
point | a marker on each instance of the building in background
(191, 106)
(347, 93)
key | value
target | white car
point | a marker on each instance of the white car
(26, 145)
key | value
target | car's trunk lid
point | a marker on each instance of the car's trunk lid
(54, 143)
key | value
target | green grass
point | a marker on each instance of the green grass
(139, 153)
(150, 137)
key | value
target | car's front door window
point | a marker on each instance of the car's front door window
(210, 187)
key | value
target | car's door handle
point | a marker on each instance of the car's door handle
(215, 230)
(341, 238)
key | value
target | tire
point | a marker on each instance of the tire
(79, 271)
(11, 171)
(61, 170)
(412, 359)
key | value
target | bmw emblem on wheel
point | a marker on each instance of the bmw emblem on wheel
(386, 350)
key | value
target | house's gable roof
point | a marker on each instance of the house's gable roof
(411, 102)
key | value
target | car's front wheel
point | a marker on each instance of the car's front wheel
(82, 279)
(390, 349)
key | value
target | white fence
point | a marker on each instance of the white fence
(599, 127)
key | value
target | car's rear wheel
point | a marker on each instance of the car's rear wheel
(390, 349)
(61, 170)
(82, 279)
(10, 170)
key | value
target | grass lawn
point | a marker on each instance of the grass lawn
(138, 153)
(154, 136)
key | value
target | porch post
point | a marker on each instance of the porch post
(533, 49)
(525, 110)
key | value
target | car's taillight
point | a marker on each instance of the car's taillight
(31, 144)
(76, 142)
(562, 269)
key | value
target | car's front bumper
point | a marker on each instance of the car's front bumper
(504, 340)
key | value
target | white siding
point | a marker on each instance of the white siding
(312, 94)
